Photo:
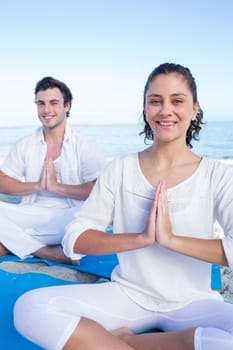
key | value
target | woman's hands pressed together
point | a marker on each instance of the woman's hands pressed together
(164, 232)
(158, 228)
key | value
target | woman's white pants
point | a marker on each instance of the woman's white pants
(49, 316)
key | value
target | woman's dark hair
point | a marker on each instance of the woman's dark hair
(50, 83)
(195, 125)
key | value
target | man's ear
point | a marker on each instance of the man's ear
(67, 106)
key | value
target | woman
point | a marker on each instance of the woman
(163, 202)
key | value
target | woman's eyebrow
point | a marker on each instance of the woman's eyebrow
(174, 94)
(154, 95)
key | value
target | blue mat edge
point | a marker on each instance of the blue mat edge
(101, 266)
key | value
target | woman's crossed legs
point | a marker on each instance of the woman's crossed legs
(68, 317)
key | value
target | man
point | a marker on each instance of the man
(54, 170)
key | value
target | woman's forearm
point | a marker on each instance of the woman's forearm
(209, 250)
(96, 242)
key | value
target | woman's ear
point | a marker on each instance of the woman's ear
(196, 109)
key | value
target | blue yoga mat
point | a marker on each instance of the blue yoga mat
(11, 287)
(101, 266)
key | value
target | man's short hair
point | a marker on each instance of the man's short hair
(50, 83)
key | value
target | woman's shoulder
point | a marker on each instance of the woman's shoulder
(217, 169)
(124, 160)
(219, 164)
(120, 164)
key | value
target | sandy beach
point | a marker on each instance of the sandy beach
(68, 274)
(227, 282)
(60, 272)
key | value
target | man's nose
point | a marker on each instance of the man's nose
(47, 108)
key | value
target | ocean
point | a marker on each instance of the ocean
(216, 139)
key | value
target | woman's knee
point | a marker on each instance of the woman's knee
(21, 309)
(26, 307)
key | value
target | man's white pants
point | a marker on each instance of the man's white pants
(26, 228)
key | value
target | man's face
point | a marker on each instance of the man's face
(51, 109)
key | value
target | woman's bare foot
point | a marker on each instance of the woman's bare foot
(4, 251)
(180, 340)
(122, 332)
(54, 253)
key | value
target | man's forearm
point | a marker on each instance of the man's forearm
(80, 192)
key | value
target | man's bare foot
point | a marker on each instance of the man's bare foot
(54, 253)
(4, 251)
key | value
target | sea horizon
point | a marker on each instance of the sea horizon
(116, 139)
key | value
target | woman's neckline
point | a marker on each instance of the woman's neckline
(186, 180)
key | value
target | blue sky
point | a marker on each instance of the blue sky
(105, 49)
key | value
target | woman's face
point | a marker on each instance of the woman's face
(169, 107)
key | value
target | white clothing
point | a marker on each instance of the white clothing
(124, 196)
(48, 316)
(81, 160)
(32, 224)
(49, 199)
(26, 228)
(154, 287)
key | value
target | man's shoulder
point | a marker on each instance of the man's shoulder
(32, 137)
(74, 134)
(28, 142)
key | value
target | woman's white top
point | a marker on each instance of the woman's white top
(155, 277)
